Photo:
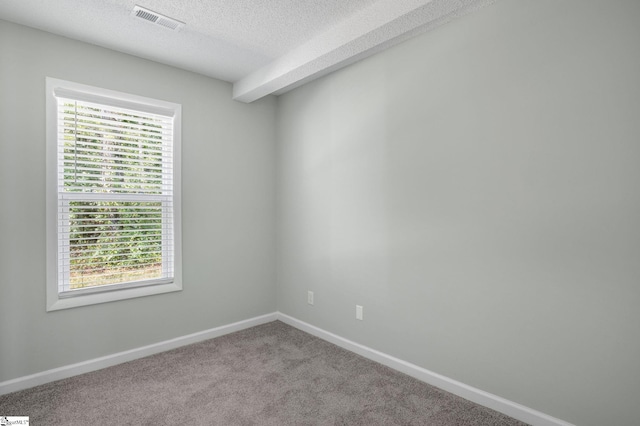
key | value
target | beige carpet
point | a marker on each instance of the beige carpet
(272, 374)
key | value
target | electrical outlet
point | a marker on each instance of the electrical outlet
(310, 297)
(359, 312)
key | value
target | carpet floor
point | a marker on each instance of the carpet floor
(272, 374)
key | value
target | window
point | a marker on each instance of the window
(113, 195)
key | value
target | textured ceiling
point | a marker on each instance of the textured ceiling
(263, 46)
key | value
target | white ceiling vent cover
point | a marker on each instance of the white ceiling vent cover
(156, 18)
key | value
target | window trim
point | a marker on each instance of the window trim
(55, 300)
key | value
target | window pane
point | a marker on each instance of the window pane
(114, 242)
(107, 151)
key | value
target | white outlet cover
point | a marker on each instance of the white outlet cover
(359, 313)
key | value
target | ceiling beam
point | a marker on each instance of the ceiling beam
(373, 29)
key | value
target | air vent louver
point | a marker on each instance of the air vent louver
(169, 23)
(156, 18)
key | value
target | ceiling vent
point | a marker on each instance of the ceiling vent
(156, 18)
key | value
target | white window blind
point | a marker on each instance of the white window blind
(115, 186)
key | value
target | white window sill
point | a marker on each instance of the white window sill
(55, 303)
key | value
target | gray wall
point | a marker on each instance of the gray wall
(228, 207)
(477, 190)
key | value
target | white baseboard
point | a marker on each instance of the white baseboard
(118, 358)
(502, 405)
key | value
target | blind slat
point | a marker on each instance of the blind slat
(93, 109)
(89, 144)
(73, 130)
(78, 258)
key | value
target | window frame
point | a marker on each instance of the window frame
(61, 88)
